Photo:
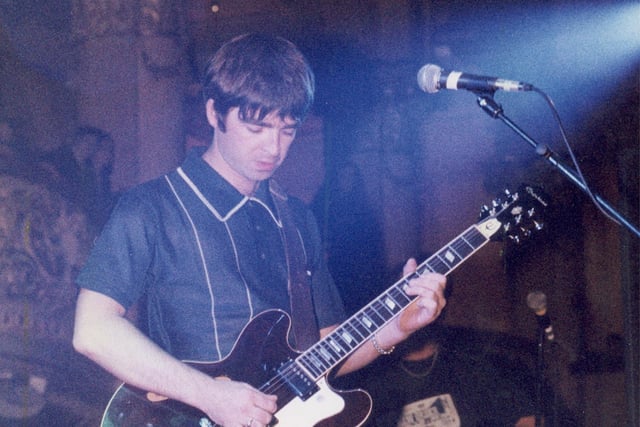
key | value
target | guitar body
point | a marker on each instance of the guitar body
(260, 350)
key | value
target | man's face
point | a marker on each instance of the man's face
(250, 150)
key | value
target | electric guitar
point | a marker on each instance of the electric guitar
(262, 357)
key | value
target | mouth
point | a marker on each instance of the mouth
(266, 166)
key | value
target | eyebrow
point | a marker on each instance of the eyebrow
(263, 123)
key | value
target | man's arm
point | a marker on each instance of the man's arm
(104, 335)
(430, 301)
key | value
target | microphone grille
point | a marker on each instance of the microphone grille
(428, 78)
(537, 301)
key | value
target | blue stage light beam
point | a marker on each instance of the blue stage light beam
(578, 53)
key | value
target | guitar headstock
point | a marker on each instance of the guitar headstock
(520, 213)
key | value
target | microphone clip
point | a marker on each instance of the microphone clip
(488, 104)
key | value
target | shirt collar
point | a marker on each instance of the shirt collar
(217, 193)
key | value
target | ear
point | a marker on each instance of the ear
(212, 117)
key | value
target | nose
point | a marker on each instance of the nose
(272, 143)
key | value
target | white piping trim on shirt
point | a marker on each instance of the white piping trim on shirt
(204, 266)
(237, 259)
(215, 212)
(206, 202)
(276, 220)
(224, 220)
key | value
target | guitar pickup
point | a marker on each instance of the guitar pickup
(302, 386)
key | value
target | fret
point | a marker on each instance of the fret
(342, 339)
(323, 355)
(474, 237)
(357, 329)
(452, 253)
(437, 266)
(363, 324)
(445, 260)
(424, 267)
(400, 296)
(391, 304)
(382, 310)
(347, 337)
(366, 322)
(327, 351)
(463, 247)
(335, 345)
(374, 315)
(314, 364)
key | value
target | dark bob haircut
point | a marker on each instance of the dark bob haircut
(260, 75)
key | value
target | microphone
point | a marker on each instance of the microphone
(432, 78)
(537, 301)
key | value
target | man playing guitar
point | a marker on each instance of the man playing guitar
(204, 250)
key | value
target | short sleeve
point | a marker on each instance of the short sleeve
(118, 263)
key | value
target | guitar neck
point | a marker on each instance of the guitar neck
(346, 338)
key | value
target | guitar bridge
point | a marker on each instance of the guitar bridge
(301, 385)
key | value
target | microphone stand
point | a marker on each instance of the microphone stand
(539, 405)
(491, 107)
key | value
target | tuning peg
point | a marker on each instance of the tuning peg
(484, 212)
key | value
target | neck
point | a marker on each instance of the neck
(214, 159)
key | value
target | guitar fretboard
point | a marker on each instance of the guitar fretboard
(328, 352)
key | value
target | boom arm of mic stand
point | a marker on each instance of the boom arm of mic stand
(491, 107)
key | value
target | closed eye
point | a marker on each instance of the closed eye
(290, 132)
(255, 128)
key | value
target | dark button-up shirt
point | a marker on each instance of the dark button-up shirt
(204, 259)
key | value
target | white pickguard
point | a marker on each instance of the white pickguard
(323, 404)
